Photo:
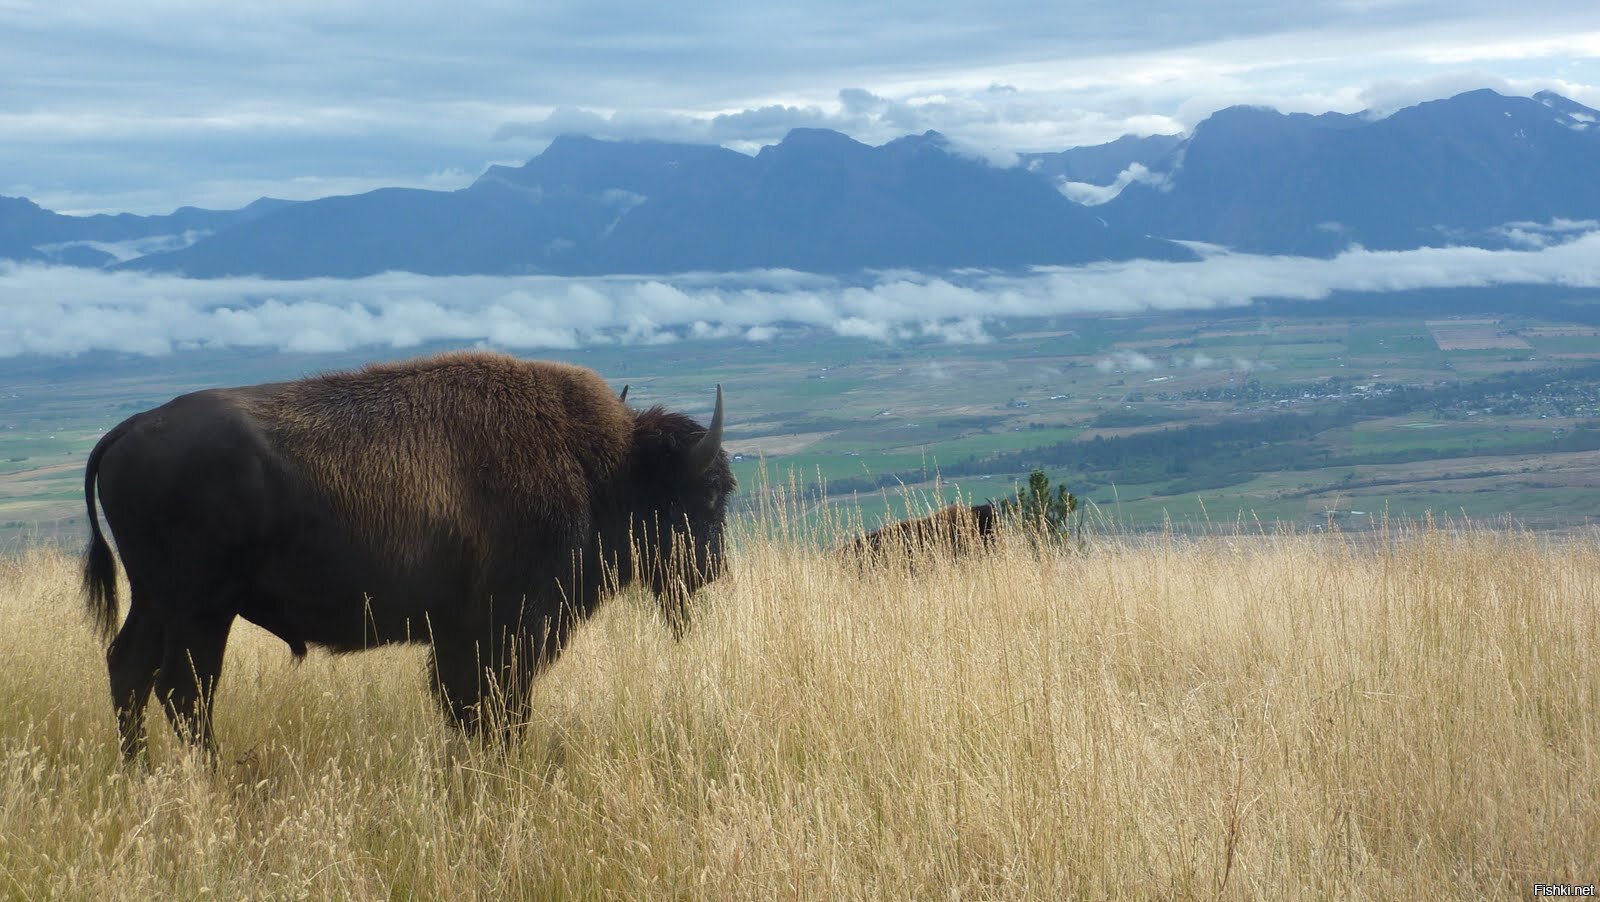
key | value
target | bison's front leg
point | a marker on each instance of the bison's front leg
(456, 685)
(675, 608)
(485, 685)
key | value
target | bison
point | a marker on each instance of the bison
(472, 501)
(958, 529)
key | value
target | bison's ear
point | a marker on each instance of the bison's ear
(705, 451)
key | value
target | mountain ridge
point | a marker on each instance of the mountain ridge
(1440, 172)
(816, 201)
(1455, 170)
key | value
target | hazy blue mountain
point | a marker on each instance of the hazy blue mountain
(1100, 164)
(30, 232)
(1444, 172)
(584, 166)
(20, 250)
(1455, 171)
(485, 228)
(818, 201)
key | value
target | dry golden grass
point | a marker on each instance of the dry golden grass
(1307, 716)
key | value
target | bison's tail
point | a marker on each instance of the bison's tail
(99, 567)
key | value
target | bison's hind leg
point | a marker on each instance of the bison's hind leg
(191, 663)
(132, 660)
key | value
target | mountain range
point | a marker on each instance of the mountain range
(1454, 171)
(1479, 169)
(30, 232)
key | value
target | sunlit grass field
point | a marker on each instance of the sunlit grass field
(1309, 716)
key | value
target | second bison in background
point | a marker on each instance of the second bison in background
(957, 529)
(476, 502)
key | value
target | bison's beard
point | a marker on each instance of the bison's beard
(675, 566)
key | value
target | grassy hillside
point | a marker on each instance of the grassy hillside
(1311, 715)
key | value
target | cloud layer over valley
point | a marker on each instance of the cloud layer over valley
(66, 311)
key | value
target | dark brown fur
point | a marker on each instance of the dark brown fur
(461, 434)
(477, 502)
(957, 529)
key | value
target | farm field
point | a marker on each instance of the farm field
(1158, 419)
(1244, 714)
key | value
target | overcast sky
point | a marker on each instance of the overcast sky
(142, 107)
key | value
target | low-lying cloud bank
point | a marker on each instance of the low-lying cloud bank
(64, 311)
(1092, 195)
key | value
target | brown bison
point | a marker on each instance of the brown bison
(957, 529)
(473, 501)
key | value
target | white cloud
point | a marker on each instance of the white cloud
(1543, 234)
(137, 247)
(856, 327)
(1094, 195)
(700, 329)
(1129, 361)
(1000, 157)
(144, 107)
(979, 124)
(58, 310)
(967, 330)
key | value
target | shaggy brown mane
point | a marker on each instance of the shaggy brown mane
(958, 529)
(538, 432)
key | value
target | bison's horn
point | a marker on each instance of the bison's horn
(624, 395)
(705, 451)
